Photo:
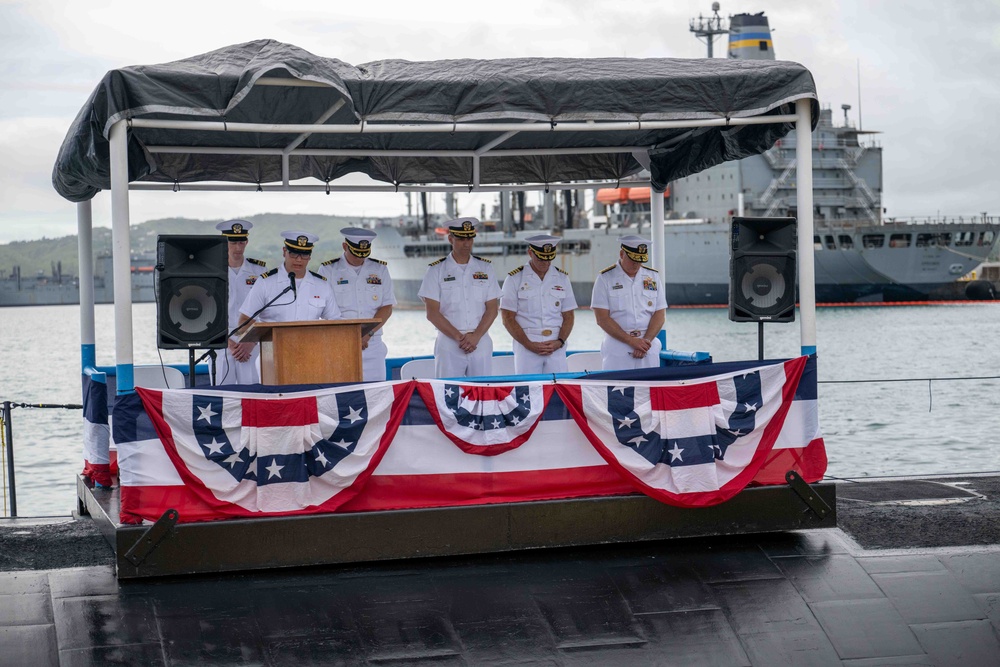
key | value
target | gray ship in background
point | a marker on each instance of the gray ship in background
(859, 256)
(56, 289)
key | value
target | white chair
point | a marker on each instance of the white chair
(503, 365)
(583, 361)
(152, 377)
(417, 368)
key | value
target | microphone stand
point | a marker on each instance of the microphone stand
(238, 329)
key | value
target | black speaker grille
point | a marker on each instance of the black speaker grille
(193, 312)
(762, 288)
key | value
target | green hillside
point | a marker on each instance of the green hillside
(265, 243)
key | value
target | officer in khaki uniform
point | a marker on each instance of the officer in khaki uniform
(363, 289)
(312, 298)
(461, 295)
(536, 306)
(630, 306)
(238, 364)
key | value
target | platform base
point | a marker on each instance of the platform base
(249, 544)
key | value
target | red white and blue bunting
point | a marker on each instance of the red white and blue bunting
(689, 438)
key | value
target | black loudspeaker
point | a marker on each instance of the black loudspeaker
(192, 292)
(762, 270)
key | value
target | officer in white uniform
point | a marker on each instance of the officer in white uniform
(630, 306)
(536, 306)
(312, 297)
(461, 295)
(238, 364)
(364, 291)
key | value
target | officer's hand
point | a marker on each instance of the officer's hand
(545, 348)
(638, 354)
(639, 344)
(468, 342)
(365, 340)
(241, 351)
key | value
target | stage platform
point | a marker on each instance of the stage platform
(326, 539)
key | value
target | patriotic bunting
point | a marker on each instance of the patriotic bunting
(687, 443)
(485, 420)
(692, 436)
(249, 453)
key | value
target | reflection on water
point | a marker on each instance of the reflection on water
(870, 429)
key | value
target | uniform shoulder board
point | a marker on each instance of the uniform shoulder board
(323, 278)
(269, 273)
(609, 268)
(483, 259)
(650, 268)
(516, 271)
(436, 262)
(379, 261)
(565, 273)
(258, 262)
(330, 261)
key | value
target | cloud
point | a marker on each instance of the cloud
(926, 73)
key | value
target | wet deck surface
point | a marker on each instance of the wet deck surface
(804, 598)
(799, 599)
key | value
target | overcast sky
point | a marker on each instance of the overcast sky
(929, 80)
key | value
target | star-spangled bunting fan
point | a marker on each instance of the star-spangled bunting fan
(687, 443)
(483, 419)
(248, 453)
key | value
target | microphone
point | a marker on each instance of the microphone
(291, 279)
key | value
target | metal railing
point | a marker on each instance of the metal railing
(7, 449)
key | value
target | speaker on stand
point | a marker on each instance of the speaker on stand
(762, 272)
(192, 294)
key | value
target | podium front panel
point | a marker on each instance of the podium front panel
(317, 352)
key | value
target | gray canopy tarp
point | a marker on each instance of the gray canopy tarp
(219, 86)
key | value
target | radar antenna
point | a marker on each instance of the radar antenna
(710, 27)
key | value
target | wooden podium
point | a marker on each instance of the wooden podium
(314, 352)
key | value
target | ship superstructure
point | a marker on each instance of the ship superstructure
(859, 257)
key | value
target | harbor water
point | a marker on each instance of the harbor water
(878, 428)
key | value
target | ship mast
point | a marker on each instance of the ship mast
(708, 28)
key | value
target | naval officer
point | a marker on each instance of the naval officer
(461, 295)
(630, 306)
(363, 290)
(310, 298)
(536, 306)
(239, 360)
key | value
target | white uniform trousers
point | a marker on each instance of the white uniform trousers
(373, 360)
(617, 356)
(526, 361)
(451, 362)
(230, 371)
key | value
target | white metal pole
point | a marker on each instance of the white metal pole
(85, 247)
(121, 249)
(657, 231)
(806, 257)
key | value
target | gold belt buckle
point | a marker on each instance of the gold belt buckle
(546, 332)
(635, 334)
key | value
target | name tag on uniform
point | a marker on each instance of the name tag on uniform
(618, 286)
(648, 284)
(343, 281)
(449, 279)
(480, 275)
(373, 279)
